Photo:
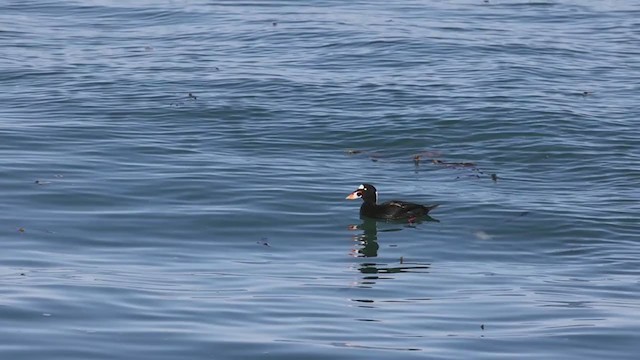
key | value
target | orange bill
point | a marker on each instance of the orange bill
(354, 195)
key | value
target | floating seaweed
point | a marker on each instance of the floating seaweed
(372, 156)
(476, 172)
(429, 154)
(454, 164)
(432, 156)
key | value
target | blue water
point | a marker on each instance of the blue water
(138, 222)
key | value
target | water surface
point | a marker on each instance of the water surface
(139, 222)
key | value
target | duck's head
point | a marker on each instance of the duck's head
(366, 192)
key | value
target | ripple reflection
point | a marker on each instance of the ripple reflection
(367, 246)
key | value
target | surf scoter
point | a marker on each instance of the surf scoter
(390, 210)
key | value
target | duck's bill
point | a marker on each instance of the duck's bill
(354, 195)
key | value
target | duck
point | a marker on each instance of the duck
(390, 210)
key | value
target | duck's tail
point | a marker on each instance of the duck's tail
(430, 207)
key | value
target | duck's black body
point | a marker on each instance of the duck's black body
(394, 210)
(390, 210)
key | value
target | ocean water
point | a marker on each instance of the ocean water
(141, 222)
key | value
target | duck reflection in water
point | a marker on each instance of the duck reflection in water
(368, 239)
(367, 246)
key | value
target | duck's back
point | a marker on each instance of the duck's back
(395, 209)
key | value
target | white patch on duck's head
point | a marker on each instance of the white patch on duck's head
(368, 187)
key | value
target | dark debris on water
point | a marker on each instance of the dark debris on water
(190, 97)
(476, 172)
(431, 156)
